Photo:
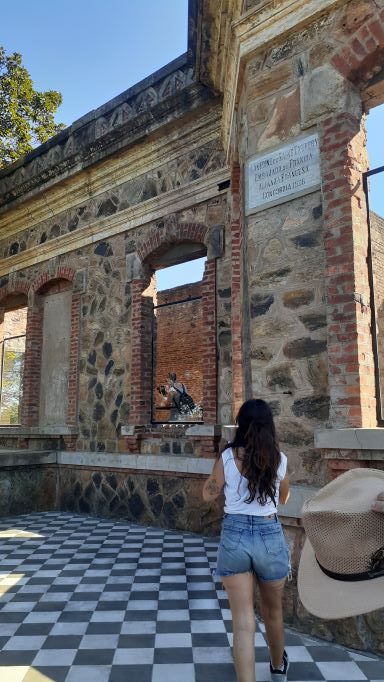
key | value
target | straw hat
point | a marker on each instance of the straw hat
(341, 570)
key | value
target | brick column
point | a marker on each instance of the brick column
(32, 366)
(141, 369)
(236, 291)
(209, 360)
(350, 352)
(73, 361)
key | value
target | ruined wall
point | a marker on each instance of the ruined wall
(285, 261)
(105, 325)
(306, 297)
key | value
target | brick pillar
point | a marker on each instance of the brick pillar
(350, 353)
(141, 369)
(73, 361)
(32, 366)
(236, 291)
(209, 359)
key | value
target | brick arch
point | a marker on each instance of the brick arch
(62, 272)
(182, 232)
(34, 343)
(142, 311)
(7, 291)
(363, 51)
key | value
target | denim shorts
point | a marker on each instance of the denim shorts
(252, 544)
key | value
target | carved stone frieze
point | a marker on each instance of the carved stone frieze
(191, 165)
(96, 134)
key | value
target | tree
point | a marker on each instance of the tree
(26, 115)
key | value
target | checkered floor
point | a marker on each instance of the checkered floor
(90, 600)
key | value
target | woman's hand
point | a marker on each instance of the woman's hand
(378, 504)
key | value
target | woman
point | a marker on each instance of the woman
(253, 473)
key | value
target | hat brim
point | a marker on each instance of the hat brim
(330, 599)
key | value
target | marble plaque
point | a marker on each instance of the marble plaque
(283, 174)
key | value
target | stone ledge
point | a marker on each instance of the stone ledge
(196, 430)
(228, 432)
(23, 458)
(351, 439)
(39, 431)
(107, 460)
(177, 464)
(113, 460)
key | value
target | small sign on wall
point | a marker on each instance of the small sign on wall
(283, 174)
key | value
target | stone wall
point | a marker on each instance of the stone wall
(285, 264)
(102, 348)
(167, 500)
(28, 489)
(13, 322)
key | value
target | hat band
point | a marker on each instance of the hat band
(352, 577)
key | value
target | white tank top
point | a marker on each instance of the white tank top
(236, 488)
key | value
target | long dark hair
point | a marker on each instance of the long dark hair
(256, 434)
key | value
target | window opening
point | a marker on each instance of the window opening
(373, 182)
(12, 349)
(177, 343)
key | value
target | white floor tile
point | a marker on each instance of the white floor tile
(25, 643)
(176, 672)
(207, 654)
(89, 673)
(172, 640)
(211, 626)
(59, 656)
(133, 656)
(298, 654)
(339, 670)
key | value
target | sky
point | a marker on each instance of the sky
(92, 50)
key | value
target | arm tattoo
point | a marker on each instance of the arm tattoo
(212, 487)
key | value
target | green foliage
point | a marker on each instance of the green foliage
(26, 116)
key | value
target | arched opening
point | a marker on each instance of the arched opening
(55, 301)
(177, 342)
(13, 326)
(185, 244)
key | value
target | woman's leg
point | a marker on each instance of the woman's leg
(239, 589)
(271, 594)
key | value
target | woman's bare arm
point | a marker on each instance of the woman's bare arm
(284, 491)
(214, 484)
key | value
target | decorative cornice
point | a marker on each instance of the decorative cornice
(110, 173)
(194, 193)
(94, 142)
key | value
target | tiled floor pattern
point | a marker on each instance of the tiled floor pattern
(90, 600)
